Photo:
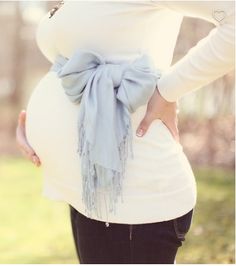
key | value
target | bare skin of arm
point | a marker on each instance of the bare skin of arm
(22, 142)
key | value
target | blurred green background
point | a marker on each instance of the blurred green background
(34, 229)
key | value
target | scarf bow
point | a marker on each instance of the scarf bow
(107, 92)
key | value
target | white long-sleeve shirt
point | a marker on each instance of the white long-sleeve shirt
(159, 183)
(211, 58)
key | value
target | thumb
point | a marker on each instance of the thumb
(21, 118)
(143, 126)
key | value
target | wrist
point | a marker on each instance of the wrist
(165, 102)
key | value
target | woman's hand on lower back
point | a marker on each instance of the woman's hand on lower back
(22, 142)
(159, 108)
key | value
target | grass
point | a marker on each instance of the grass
(211, 238)
(34, 229)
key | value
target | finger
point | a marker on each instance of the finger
(21, 138)
(144, 125)
(22, 142)
(36, 160)
(21, 117)
(21, 120)
(26, 154)
(33, 158)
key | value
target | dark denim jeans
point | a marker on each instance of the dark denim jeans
(97, 242)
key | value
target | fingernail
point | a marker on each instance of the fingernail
(139, 133)
(34, 159)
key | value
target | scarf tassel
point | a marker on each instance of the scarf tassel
(93, 185)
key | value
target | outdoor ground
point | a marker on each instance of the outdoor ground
(37, 230)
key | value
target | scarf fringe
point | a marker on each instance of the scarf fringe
(96, 188)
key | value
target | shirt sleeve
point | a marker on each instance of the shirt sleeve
(210, 58)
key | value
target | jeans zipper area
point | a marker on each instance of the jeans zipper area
(130, 239)
(130, 231)
(131, 242)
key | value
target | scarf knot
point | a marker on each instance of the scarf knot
(114, 72)
(108, 92)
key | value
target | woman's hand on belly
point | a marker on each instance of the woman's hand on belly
(22, 142)
(159, 108)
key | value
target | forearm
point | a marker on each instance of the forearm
(209, 59)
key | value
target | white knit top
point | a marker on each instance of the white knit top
(159, 184)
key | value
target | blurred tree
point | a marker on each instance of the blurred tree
(206, 115)
(51, 4)
(18, 56)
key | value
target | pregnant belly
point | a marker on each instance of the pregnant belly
(51, 130)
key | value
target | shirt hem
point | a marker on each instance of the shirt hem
(139, 209)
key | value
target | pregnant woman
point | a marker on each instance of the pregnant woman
(111, 93)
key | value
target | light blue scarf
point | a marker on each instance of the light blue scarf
(107, 92)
